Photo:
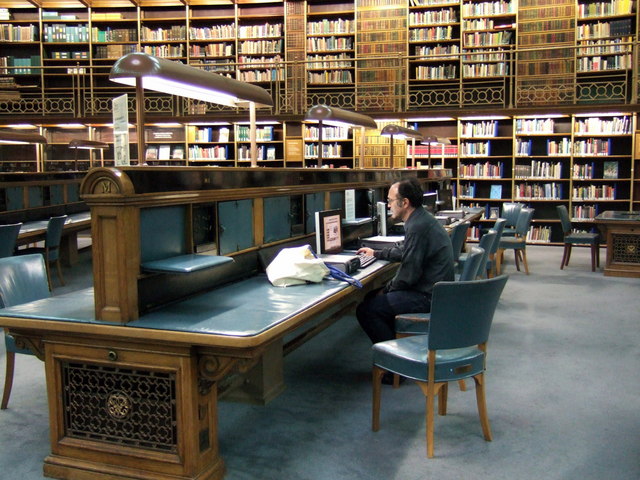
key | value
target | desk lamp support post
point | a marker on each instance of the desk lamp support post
(252, 134)
(140, 119)
(320, 147)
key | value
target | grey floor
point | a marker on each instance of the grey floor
(563, 393)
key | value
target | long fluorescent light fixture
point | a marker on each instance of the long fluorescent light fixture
(88, 144)
(20, 138)
(397, 131)
(174, 78)
(339, 117)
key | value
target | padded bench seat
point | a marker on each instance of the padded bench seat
(185, 263)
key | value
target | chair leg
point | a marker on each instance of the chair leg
(499, 256)
(8, 379)
(375, 411)
(593, 257)
(565, 257)
(443, 394)
(462, 385)
(523, 252)
(517, 257)
(482, 407)
(569, 248)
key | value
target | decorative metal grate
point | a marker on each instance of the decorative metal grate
(626, 248)
(123, 406)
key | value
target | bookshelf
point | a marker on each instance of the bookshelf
(163, 32)
(270, 142)
(337, 145)
(260, 37)
(211, 144)
(330, 46)
(488, 38)
(485, 153)
(165, 144)
(602, 164)
(212, 38)
(447, 155)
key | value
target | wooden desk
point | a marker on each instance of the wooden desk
(35, 231)
(139, 400)
(621, 231)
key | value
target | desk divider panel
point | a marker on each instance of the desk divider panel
(235, 225)
(277, 219)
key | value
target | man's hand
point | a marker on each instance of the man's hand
(365, 250)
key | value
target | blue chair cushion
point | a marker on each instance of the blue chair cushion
(582, 237)
(512, 242)
(412, 323)
(408, 357)
(185, 263)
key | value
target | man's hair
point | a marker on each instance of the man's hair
(410, 188)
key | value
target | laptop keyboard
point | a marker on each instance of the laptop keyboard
(366, 260)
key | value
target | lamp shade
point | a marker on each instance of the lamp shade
(400, 132)
(174, 78)
(431, 140)
(338, 116)
(21, 138)
(88, 144)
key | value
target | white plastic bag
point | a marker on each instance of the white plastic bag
(294, 266)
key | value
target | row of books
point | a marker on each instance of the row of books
(329, 43)
(341, 60)
(311, 133)
(260, 46)
(217, 152)
(470, 149)
(472, 9)
(597, 125)
(613, 28)
(537, 169)
(604, 63)
(164, 51)
(18, 33)
(429, 17)
(207, 134)
(539, 234)
(436, 72)
(430, 34)
(439, 51)
(21, 66)
(592, 146)
(524, 147)
(114, 51)
(482, 170)
(212, 50)
(327, 26)
(486, 128)
(535, 125)
(164, 152)
(547, 191)
(65, 33)
(214, 32)
(265, 133)
(264, 153)
(482, 70)
(329, 150)
(436, 151)
(594, 192)
(114, 34)
(260, 31)
(175, 32)
(602, 9)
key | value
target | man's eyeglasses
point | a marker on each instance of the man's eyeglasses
(391, 200)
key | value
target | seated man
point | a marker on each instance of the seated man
(426, 257)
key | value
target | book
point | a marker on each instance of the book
(610, 170)
(496, 191)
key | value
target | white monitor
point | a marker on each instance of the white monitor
(381, 214)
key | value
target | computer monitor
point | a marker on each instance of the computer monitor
(430, 201)
(329, 231)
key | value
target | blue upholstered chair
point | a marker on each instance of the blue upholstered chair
(511, 213)
(23, 279)
(453, 349)
(51, 250)
(458, 237)
(577, 238)
(517, 243)
(498, 226)
(8, 238)
(486, 243)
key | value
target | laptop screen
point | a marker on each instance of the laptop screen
(329, 231)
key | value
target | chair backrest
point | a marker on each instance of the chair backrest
(510, 212)
(487, 241)
(8, 238)
(54, 235)
(565, 221)
(524, 221)
(462, 312)
(499, 228)
(472, 264)
(458, 237)
(23, 278)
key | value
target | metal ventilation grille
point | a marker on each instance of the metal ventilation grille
(123, 406)
(626, 249)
